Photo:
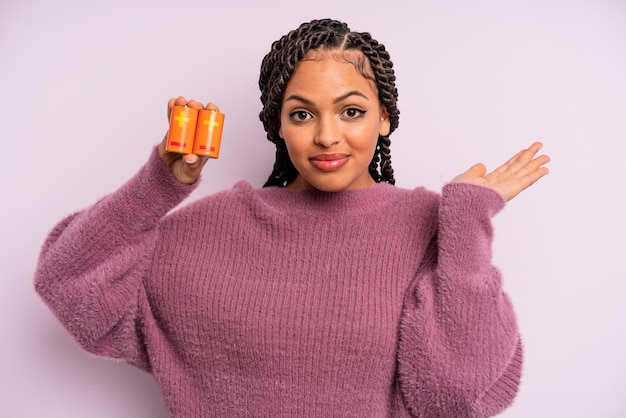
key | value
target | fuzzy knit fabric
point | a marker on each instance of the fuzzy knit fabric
(378, 302)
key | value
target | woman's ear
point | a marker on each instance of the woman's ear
(385, 124)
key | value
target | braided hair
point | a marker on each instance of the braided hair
(279, 65)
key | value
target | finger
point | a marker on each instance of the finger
(529, 153)
(190, 159)
(178, 101)
(539, 161)
(507, 165)
(535, 147)
(195, 104)
(191, 167)
(531, 178)
(518, 161)
(522, 169)
(503, 171)
(170, 105)
(535, 169)
(212, 106)
(473, 175)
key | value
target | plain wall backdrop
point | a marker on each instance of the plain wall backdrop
(83, 93)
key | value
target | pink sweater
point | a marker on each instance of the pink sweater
(277, 303)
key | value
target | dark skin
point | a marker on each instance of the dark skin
(186, 168)
(511, 178)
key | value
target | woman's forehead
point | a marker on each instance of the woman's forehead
(350, 56)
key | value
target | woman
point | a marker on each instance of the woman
(329, 292)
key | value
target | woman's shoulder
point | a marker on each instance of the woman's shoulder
(416, 193)
(226, 200)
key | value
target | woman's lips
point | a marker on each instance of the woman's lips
(329, 162)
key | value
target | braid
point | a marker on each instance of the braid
(385, 78)
(279, 64)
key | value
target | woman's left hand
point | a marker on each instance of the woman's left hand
(512, 177)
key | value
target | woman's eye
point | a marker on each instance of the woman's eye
(354, 112)
(299, 115)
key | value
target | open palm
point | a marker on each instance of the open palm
(517, 174)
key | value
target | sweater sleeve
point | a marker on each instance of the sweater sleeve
(91, 266)
(460, 353)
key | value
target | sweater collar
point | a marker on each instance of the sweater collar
(309, 201)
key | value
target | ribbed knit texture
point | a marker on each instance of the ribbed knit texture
(277, 303)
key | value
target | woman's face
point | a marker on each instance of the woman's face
(330, 120)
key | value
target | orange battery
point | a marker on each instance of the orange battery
(209, 133)
(182, 129)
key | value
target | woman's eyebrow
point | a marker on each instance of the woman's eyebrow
(337, 100)
(348, 94)
(300, 99)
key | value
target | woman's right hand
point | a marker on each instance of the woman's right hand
(185, 167)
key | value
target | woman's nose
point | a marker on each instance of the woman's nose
(328, 132)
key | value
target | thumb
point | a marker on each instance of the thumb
(189, 167)
(474, 174)
(477, 170)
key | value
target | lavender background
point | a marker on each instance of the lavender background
(84, 86)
